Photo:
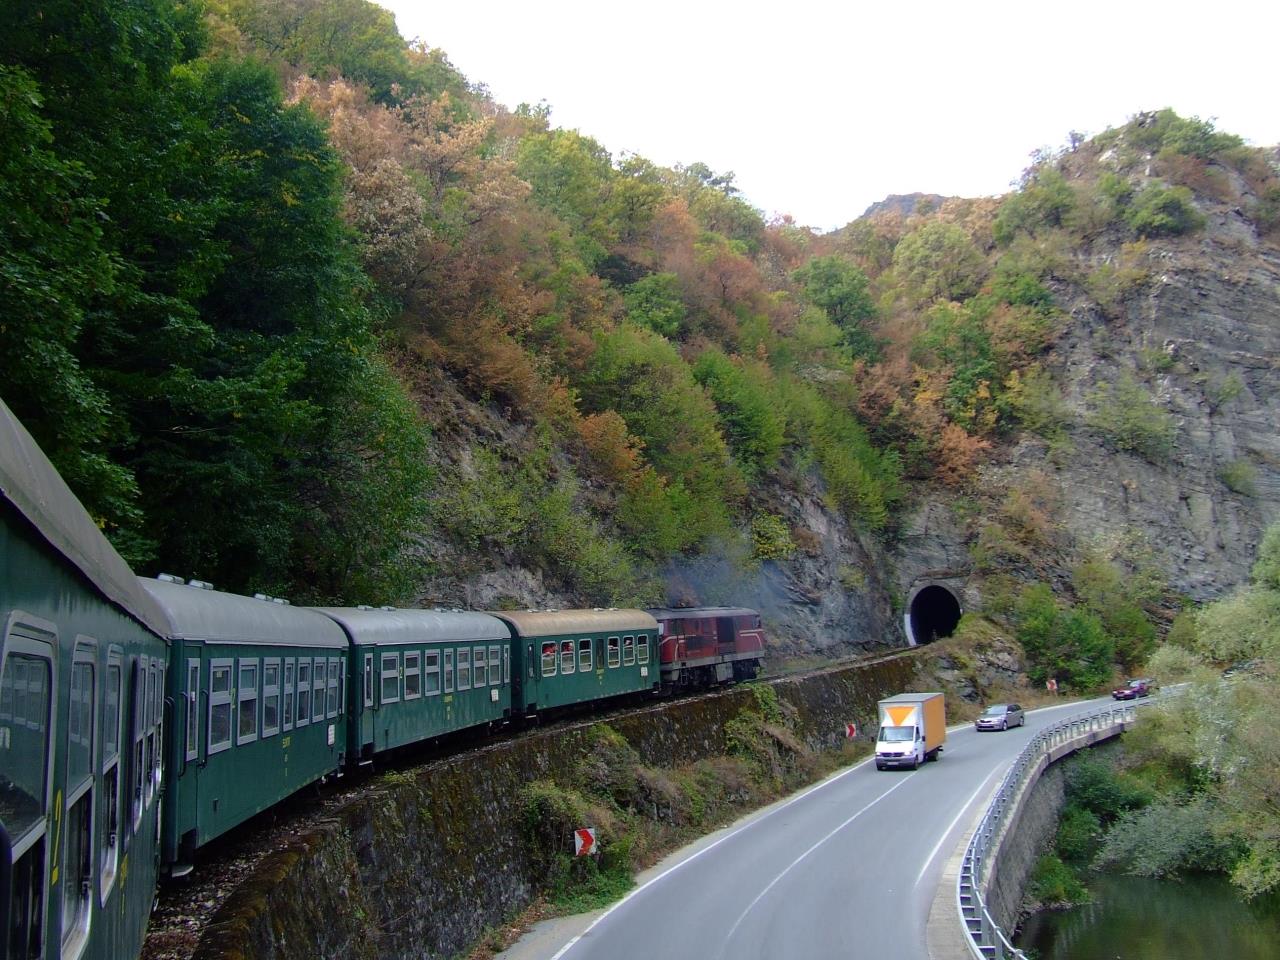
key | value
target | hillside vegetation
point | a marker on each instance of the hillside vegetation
(296, 307)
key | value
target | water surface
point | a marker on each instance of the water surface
(1135, 918)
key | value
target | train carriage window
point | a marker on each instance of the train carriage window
(331, 709)
(431, 673)
(368, 679)
(584, 656)
(549, 658)
(138, 737)
(247, 701)
(567, 664)
(113, 694)
(303, 705)
(614, 652)
(448, 671)
(642, 649)
(219, 705)
(479, 667)
(192, 696)
(464, 668)
(148, 724)
(286, 717)
(412, 675)
(390, 677)
(270, 697)
(495, 671)
(342, 690)
(318, 681)
(157, 729)
(25, 755)
(77, 862)
(628, 651)
(506, 664)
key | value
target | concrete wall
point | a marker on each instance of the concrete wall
(424, 861)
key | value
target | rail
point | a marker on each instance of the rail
(987, 941)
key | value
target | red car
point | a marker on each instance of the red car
(703, 646)
(1134, 689)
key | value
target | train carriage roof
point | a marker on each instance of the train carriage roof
(31, 484)
(701, 613)
(379, 627)
(211, 616)
(554, 623)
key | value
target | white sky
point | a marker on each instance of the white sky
(821, 109)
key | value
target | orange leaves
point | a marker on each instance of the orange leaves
(614, 451)
(957, 454)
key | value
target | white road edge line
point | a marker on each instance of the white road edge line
(952, 825)
(711, 846)
(772, 883)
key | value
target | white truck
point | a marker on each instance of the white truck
(913, 727)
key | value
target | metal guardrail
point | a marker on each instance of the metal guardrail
(987, 941)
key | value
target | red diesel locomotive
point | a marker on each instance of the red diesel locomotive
(704, 646)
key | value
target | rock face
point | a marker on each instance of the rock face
(1199, 333)
(1209, 325)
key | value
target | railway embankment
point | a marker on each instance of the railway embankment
(424, 862)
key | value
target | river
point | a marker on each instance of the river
(1136, 918)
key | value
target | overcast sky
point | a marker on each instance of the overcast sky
(821, 109)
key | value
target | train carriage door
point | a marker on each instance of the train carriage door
(366, 707)
(27, 682)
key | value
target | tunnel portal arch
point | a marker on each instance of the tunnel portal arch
(933, 613)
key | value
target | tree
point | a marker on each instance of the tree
(842, 290)
(654, 302)
(940, 261)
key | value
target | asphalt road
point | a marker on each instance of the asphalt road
(846, 869)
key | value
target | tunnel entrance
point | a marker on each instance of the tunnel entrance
(933, 614)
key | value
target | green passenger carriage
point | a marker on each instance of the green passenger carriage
(564, 657)
(259, 692)
(418, 674)
(82, 667)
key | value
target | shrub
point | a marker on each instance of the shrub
(1092, 784)
(1163, 212)
(1166, 838)
(1239, 476)
(1078, 832)
(1124, 413)
(1037, 402)
(1053, 882)
(771, 538)
(1173, 664)
(1044, 201)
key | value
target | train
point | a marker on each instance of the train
(142, 718)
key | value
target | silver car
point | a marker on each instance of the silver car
(1000, 716)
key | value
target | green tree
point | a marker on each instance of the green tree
(654, 302)
(940, 261)
(842, 290)
(1070, 646)
(752, 424)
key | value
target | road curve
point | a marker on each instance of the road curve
(845, 869)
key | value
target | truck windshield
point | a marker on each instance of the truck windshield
(897, 733)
